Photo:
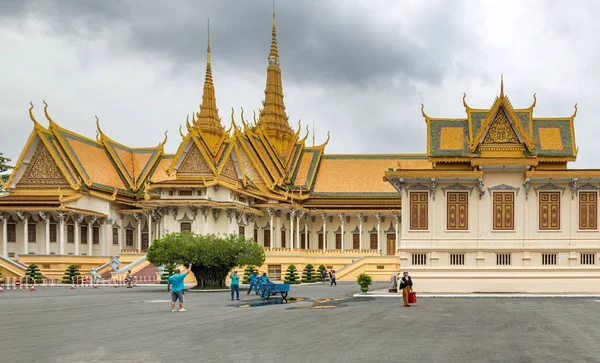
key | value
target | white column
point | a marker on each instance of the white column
(4, 219)
(360, 244)
(24, 217)
(77, 234)
(61, 232)
(150, 228)
(139, 236)
(102, 237)
(270, 211)
(138, 219)
(157, 226)
(306, 244)
(378, 217)
(90, 236)
(324, 217)
(342, 227)
(47, 220)
(292, 215)
(300, 214)
(397, 218)
(107, 238)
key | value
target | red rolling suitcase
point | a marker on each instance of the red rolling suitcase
(412, 297)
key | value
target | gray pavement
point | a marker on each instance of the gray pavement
(329, 325)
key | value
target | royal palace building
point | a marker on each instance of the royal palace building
(491, 206)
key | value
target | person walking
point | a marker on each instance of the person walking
(129, 279)
(406, 286)
(332, 277)
(323, 275)
(235, 284)
(253, 279)
(176, 281)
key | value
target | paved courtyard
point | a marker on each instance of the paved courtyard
(329, 325)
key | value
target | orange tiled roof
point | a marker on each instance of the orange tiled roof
(360, 174)
(160, 172)
(93, 160)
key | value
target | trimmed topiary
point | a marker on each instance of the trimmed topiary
(247, 272)
(71, 272)
(33, 273)
(309, 274)
(168, 272)
(291, 276)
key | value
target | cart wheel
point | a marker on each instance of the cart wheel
(284, 295)
(265, 294)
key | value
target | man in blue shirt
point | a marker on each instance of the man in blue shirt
(264, 279)
(253, 279)
(176, 281)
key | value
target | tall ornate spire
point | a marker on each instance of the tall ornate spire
(208, 120)
(273, 118)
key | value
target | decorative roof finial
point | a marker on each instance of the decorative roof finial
(98, 125)
(274, 54)
(181, 133)
(574, 113)
(46, 113)
(208, 47)
(534, 101)
(423, 112)
(502, 86)
(165, 140)
(31, 114)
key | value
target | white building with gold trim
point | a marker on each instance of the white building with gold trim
(490, 207)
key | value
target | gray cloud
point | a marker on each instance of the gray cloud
(319, 41)
(359, 69)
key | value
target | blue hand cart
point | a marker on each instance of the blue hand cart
(270, 289)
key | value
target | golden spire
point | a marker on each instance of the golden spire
(273, 118)
(208, 120)
(501, 86)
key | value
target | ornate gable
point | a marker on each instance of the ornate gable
(501, 131)
(194, 163)
(229, 170)
(42, 170)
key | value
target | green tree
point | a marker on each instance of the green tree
(72, 271)
(309, 274)
(168, 272)
(247, 272)
(291, 276)
(212, 257)
(4, 167)
(33, 273)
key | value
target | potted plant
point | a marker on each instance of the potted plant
(364, 281)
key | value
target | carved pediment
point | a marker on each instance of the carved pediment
(42, 170)
(194, 163)
(501, 132)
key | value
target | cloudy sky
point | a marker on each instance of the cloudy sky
(358, 68)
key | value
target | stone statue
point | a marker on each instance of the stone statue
(394, 281)
(95, 275)
(160, 271)
(115, 263)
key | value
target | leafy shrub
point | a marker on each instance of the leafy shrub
(33, 273)
(291, 276)
(364, 280)
(309, 274)
(72, 271)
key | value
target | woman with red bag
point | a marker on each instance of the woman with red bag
(406, 287)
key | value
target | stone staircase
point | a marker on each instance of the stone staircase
(380, 268)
